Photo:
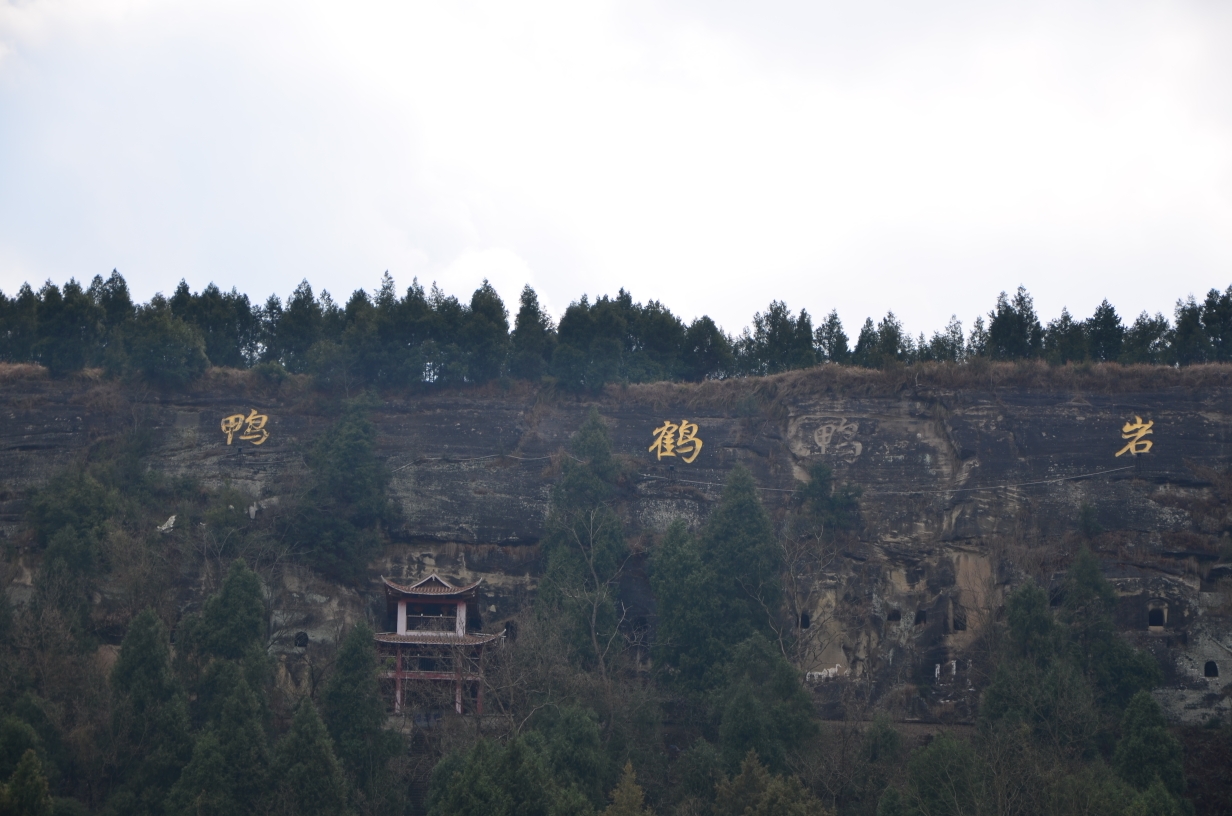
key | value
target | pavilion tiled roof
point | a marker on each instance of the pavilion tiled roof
(437, 638)
(433, 585)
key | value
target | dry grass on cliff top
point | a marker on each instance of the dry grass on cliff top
(750, 394)
(11, 372)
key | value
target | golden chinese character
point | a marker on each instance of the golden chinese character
(688, 441)
(253, 426)
(1134, 431)
(671, 439)
(665, 439)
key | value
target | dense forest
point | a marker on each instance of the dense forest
(428, 338)
(588, 712)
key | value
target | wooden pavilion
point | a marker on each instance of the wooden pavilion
(432, 643)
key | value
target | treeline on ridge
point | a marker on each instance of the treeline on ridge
(426, 338)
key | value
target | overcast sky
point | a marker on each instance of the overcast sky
(865, 156)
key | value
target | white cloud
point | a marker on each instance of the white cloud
(714, 156)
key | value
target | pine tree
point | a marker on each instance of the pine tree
(149, 718)
(205, 787)
(628, 798)
(354, 713)
(716, 591)
(831, 340)
(737, 544)
(755, 792)
(486, 335)
(26, 793)
(307, 777)
(1146, 750)
(233, 619)
(346, 511)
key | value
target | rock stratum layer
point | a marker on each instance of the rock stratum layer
(972, 480)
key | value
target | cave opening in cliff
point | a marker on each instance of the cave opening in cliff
(895, 615)
(921, 617)
(1212, 669)
(805, 621)
(1155, 618)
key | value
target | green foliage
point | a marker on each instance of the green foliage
(342, 518)
(494, 780)
(584, 546)
(1115, 669)
(755, 792)
(824, 506)
(160, 347)
(533, 339)
(26, 793)
(16, 737)
(204, 788)
(718, 590)
(569, 739)
(628, 799)
(944, 778)
(232, 620)
(765, 709)
(229, 769)
(307, 778)
(1146, 751)
(778, 341)
(354, 712)
(149, 719)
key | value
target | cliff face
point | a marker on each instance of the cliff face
(969, 485)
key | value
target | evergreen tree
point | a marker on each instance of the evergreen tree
(707, 352)
(893, 344)
(765, 709)
(1115, 670)
(628, 798)
(1146, 750)
(944, 777)
(294, 329)
(233, 620)
(1189, 343)
(26, 793)
(946, 346)
(831, 340)
(1014, 331)
(354, 713)
(737, 545)
(1065, 340)
(69, 328)
(493, 780)
(229, 768)
(686, 645)
(1105, 334)
(343, 517)
(160, 347)
(716, 591)
(1146, 341)
(307, 777)
(486, 336)
(205, 787)
(977, 341)
(533, 338)
(755, 792)
(1217, 323)
(149, 718)
(866, 354)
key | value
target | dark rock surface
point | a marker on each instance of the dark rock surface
(967, 489)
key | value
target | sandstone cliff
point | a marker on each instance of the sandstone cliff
(972, 480)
